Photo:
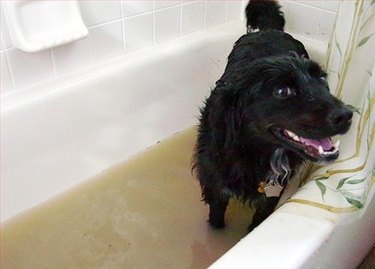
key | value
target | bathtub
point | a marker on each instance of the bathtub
(56, 135)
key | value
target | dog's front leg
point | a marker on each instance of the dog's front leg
(263, 211)
(218, 203)
(217, 213)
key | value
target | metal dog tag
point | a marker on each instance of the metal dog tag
(273, 190)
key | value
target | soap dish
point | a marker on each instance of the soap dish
(38, 25)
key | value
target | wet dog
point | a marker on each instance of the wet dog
(270, 111)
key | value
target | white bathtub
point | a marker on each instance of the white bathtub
(58, 134)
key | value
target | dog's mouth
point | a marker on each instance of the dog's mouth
(321, 150)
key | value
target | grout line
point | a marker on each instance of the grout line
(104, 23)
(138, 15)
(129, 17)
(122, 9)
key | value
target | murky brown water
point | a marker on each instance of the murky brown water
(143, 213)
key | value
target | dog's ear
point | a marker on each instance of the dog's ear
(224, 116)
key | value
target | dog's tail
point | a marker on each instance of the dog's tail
(264, 15)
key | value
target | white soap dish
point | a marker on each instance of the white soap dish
(37, 25)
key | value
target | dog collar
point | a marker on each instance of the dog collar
(270, 189)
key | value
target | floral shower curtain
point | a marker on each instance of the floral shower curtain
(347, 186)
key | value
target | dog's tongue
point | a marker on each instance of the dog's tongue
(326, 143)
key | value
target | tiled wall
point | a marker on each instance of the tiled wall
(121, 26)
(313, 18)
(115, 27)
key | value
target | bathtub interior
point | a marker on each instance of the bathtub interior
(58, 140)
(141, 213)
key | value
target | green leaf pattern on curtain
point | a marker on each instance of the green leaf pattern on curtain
(348, 184)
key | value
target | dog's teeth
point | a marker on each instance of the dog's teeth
(321, 150)
(290, 134)
(337, 144)
(296, 138)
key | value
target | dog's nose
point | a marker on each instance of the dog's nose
(341, 116)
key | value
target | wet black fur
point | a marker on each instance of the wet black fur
(235, 145)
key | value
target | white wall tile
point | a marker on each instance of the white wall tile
(114, 27)
(72, 56)
(6, 84)
(30, 68)
(167, 24)
(158, 4)
(331, 5)
(139, 32)
(295, 17)
(216, 11)
(131, 8)
(320, 27)
(96, 12)
(106, 40)
(107, 31)
(234, 10)
(284, 5)
(193, 17)
(325, 22)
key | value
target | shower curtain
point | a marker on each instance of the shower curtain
(347, 186)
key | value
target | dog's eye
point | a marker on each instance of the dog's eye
(324, 80)
(283, 93)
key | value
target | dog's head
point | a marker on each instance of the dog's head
(285, 101)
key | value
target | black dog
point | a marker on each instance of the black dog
(270, 111)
